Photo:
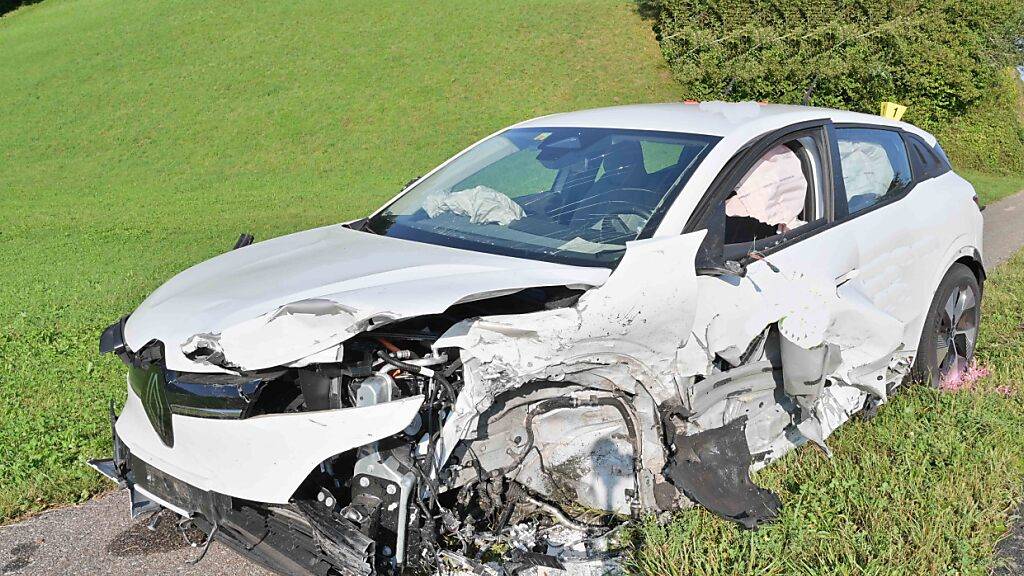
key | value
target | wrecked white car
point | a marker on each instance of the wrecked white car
(580, 319)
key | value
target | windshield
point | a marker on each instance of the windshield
(569, 195)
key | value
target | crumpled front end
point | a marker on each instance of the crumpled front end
(434, 437)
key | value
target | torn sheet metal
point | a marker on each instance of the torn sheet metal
(371, 279)
(636, 325)
(836, 349)
(834, 407)
(638, 318)
(810, 312)
(295, 330)
(825, 334)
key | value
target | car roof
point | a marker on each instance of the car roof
(713, 118)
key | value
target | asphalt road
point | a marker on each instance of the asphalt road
(98, 537)
(1004, 229)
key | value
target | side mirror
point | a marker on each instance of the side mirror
(728, 268)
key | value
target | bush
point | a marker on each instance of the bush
(990, 137)
(8, 5)
(945, 59)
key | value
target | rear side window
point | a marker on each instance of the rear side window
(875, 166)
(928, 161)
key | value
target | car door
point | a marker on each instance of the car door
(803, 278)
(815, 248)
(894, 220)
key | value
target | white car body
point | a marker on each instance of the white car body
(850, 297)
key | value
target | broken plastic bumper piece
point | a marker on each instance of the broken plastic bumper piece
(290, 539)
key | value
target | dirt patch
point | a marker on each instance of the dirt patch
(165, 536)
(1010, 550)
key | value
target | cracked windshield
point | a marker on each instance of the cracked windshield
(572, 195)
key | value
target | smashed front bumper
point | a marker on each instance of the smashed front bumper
(288, 539)
(264, 458)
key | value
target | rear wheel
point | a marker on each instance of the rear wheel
(951, 328)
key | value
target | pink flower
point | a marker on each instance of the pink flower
(1004, 390)
(965, 380)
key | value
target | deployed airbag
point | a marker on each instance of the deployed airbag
(773, 192)
(483, 205)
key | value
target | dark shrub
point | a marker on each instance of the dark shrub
(8, 5)
(944, 59)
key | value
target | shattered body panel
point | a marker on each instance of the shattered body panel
(345, 401)
(292, 297)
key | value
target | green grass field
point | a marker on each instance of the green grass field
(138, 138)
(991, 188)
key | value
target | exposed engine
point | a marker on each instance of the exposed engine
(388, 506)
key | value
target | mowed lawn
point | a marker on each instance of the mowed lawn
(138, 138)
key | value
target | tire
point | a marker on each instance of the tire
(951, 327)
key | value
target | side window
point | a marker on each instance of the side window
(875, 166)
(927, 162)
(779, 194)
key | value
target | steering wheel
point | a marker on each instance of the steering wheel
(611, 211)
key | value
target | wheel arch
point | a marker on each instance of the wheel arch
(976, 265)
(961, 251)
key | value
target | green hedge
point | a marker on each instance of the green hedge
(8, 5)
(945, 59)
(990, 137)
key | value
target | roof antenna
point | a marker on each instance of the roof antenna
(810, 90)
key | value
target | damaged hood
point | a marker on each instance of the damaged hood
(327, 284)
